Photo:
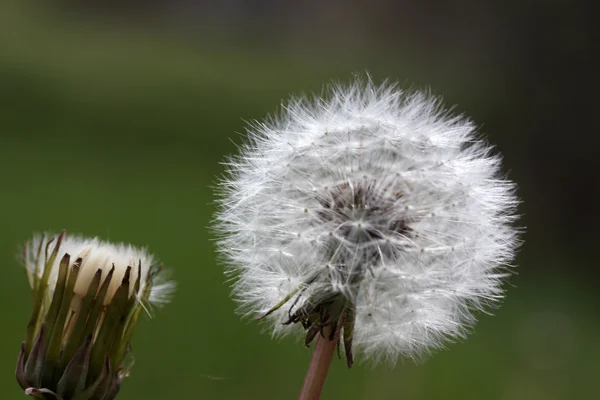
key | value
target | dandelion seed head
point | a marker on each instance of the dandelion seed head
(375, 196)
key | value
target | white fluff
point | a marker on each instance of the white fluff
(422, 214)
(97, 254)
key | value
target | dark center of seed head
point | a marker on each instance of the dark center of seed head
(364, 212)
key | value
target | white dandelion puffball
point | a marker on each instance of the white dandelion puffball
(372, 211)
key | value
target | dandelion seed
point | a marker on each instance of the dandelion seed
(87, 298)
(371, 214)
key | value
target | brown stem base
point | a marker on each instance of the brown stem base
(318, 367)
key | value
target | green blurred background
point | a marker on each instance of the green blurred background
(114, 117)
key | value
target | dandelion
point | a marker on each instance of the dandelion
(372, 218)
(87, 298)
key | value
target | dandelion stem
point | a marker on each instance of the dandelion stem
(319, 365)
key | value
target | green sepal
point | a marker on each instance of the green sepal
(55, 342)
(33, 274)
(348, 333)
(34, 366)
(113, 313)
(113, 389)
(104, 386)
(126, 325)
(310, 334)
(280, 304)
(20, 370)
(74, 377)
(299, 290)
(39, 291)
(98, 304)
(55, 305)
(76, 338)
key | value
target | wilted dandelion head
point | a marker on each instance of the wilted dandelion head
(371, 210)
(87, 298)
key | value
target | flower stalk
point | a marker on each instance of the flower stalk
(314, 380)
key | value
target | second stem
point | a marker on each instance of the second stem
(319, 365)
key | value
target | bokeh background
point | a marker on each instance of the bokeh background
(114, 116)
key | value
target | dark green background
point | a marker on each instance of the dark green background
(117, 130)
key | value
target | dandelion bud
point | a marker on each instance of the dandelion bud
(87, 298)
(371, 212)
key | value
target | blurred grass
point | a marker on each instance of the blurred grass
(118, 133)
